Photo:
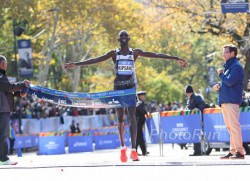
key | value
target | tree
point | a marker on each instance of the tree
(205, 17)
(79, 29)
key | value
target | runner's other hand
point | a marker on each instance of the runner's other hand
(182, 62)
(69, 66)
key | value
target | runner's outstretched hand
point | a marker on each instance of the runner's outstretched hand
(67, 66)
(182, 62)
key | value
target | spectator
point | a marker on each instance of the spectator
(7, 92)
(195, 101)
(112, 117)
(230, 97)
(141, 119)
(152, 106)
(175, 106)
(28, 112)
(12, 137)
(78, 130)
(72, 127)
(104, 117)
(75, 112)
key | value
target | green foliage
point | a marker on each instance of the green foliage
(160, 86)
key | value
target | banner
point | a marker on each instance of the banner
(153, 128)
(35, 139)
(25, 58)
(234, 6)
(51, 145)
(23, 142)
(215, 129)
(19, 142)
(245, 123)
(127, 140)
(109, 99)
(181, 126)
(106, 141)
(107, 137)
(80, 144)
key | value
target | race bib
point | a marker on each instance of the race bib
(125, 67)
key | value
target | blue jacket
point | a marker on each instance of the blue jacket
(231, 86)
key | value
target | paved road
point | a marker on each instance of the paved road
(176, 164)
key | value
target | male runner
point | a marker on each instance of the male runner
(124, 60)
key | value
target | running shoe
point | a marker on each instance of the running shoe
(134, 156)
(8, 162)
(123, 156)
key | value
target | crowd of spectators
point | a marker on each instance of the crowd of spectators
(37, 108)
(153, 106)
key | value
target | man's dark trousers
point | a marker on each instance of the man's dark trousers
(140, 139)
(4, 135)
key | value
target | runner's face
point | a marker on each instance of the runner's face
(123, 38)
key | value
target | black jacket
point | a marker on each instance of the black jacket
(196, 101)
(140, 112)
(7, 92)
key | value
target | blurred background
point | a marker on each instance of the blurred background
(60, 31)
